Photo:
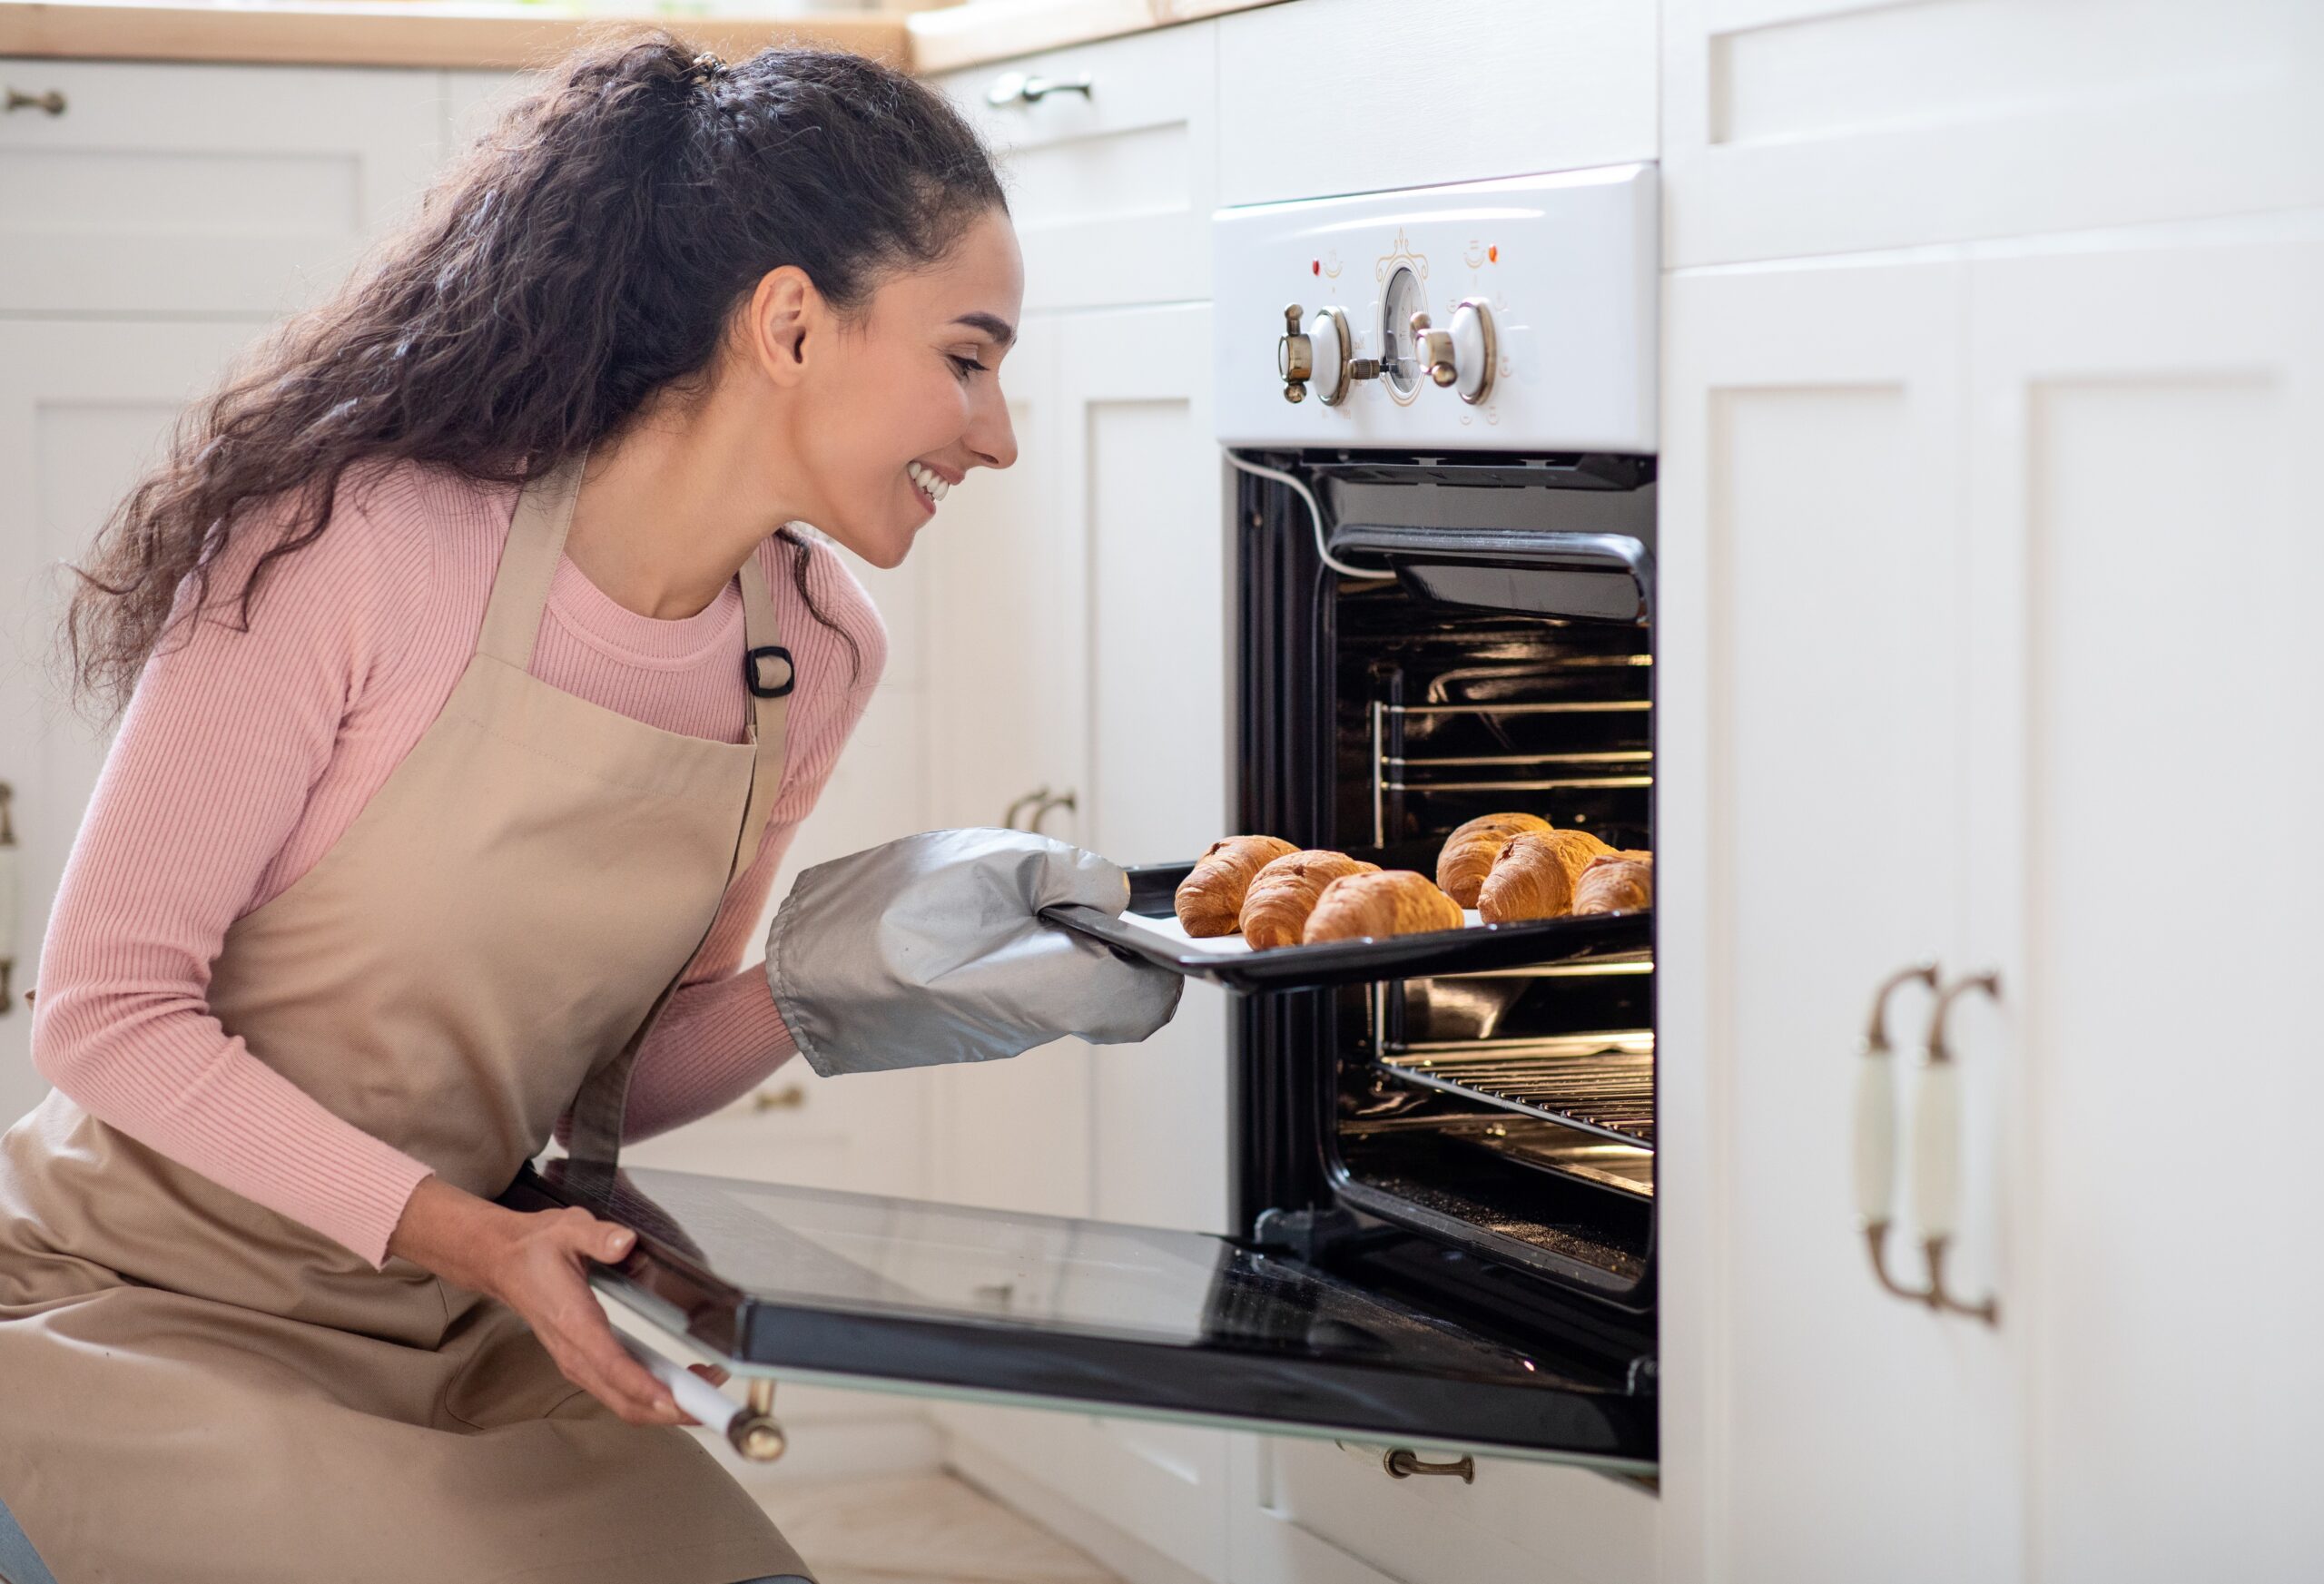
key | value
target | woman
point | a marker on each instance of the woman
(478, 683)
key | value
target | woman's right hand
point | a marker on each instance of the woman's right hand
(537, 1263)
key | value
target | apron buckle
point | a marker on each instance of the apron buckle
(759, 662)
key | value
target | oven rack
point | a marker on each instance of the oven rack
(1598, 1083)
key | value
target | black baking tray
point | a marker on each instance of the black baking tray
(1473, 950)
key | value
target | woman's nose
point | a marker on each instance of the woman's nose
(991, 436)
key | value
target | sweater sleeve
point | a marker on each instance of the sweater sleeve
(721, 1035)
(223, 739)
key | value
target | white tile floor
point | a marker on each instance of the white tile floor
(920, 1529)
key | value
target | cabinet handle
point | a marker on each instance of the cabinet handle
(790, 1098)
(1023, 88)
(1402, 1463)
(11, 896)
(1937, 1149)
(1016, 810)
(1042, 811)
(1875, 1128)
(52, 101)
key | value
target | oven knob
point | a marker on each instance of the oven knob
(1330, 350)
(1294, 356)
(1462, 356)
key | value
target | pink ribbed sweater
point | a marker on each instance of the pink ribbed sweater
(243, 756)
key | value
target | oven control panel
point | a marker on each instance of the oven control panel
(1513, 315)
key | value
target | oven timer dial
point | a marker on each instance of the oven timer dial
(1462, 354)
(1322, 357)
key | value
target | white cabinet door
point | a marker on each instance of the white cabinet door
(85, 407)
(1111, 184)
(2143, 846)
(203, 189)
(1793, 127)
(1810, 696)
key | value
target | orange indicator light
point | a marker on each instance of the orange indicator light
(1492, 254)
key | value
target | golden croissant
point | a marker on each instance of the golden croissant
(1395, 901)
(1210, 898)
(1469, 852)
(1535, 875)
(1623, 883)
(1276, 910)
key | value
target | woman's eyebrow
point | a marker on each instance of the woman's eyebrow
(1001, 331)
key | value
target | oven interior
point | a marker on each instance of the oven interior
(1507, 665)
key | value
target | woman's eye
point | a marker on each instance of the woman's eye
(967, 366)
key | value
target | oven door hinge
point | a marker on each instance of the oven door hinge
(1305, 1234)
(1645, 1376)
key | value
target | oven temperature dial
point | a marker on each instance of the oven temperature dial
(1463, 354)
(1322, 356)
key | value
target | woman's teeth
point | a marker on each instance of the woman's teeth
(929, 484)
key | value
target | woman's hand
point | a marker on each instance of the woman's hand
(536, 1262)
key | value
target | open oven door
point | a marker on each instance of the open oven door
(852, 1289)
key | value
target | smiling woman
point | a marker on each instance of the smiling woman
(482, 668)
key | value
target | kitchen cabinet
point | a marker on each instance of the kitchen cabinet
(84, 405)
(1798, 127)
(1943, 596)
(1110, 155)
(166, 189)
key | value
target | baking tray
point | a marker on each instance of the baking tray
(1149, 931)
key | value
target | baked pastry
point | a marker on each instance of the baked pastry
(1395, 901)
(1468, 853)
(1623, 883)
(1275, 910)
(1210, 898)
(1535, 875)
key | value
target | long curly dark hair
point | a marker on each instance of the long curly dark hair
(585, 255)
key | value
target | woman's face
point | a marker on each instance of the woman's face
(907, 398)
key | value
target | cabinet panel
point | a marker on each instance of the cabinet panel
(2149, 663)
(84, 409)
(1795, 127)
(1810, 689)
(1110, 188)
(178, 189)
(1334, 96)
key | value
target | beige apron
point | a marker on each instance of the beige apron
(193, 1388)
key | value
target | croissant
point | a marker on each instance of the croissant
(1621, 884)
(1210, 898)
(1535, 875)
(1395, 901)
(1468, 853)
(1275, 910)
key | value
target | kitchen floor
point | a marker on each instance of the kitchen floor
(920, 1529)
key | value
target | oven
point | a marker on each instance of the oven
(1437, 412)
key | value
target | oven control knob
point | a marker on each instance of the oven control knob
(1331, 350)
(1462, 355)
(1294, 356)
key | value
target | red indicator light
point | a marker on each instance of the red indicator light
(1314, 266)
(1492, 254)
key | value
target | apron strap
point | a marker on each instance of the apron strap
(599, 1110)
(512, 620)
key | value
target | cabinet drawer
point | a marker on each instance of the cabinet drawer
(200, 189)
(1800, 127)
(1111, 189)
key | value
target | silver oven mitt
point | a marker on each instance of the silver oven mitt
(930, 949)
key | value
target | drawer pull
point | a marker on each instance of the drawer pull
(1021, 88)
(53, 101)
(790, 1098)
(1402, 1463)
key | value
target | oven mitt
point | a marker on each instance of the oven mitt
(930, 949)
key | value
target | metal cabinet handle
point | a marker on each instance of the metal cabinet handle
(1937, 1149)
(1402, 1463)
(1016, 810)
(11, 896)
(52, 101)
(1023, 88)
(1064, 800)
(790, 1098)
(1875, 1128)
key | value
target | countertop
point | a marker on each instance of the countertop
(498, 34)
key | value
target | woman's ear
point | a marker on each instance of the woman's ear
(786, 313)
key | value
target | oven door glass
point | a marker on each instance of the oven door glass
(813, 1285)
